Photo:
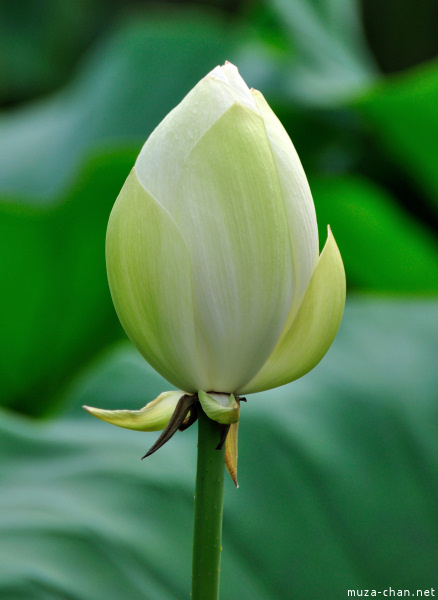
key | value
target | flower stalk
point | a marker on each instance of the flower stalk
(209, 496)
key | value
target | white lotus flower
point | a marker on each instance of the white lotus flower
(212, 249)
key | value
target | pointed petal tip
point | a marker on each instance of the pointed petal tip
(230, 66)
(220, 71)
(236, 483)
(329, 233)
(152, 417)
(91, 410)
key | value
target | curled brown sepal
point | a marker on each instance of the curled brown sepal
(192, 416)
(184, 415)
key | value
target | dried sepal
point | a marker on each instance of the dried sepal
(231, 452)
(179, 419)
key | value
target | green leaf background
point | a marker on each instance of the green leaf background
(338, 479)
(338, 471)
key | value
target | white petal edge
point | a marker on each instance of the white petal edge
(307, 339)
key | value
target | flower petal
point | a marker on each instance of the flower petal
(298, 201)
(149, 275)
(152, 417)
(231, 213)
(304, 342)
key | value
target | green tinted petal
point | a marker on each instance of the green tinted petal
(149, 275)
(152, 417)
(231, 213)
(222, 408)
(310, 335)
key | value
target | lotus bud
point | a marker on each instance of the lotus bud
(212, 251)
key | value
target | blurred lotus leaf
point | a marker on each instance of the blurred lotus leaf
(338, 477)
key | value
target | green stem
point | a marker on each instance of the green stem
(209, 499)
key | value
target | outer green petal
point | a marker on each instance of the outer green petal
(222, 408)
(231, 213)
(149, 276)
(298, 201)
(152, 417)
(313, 330)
